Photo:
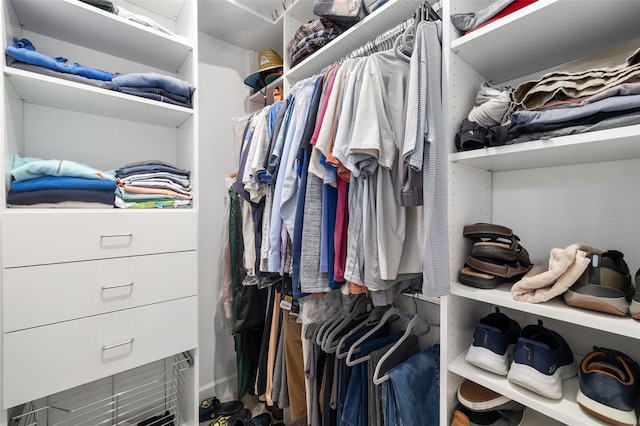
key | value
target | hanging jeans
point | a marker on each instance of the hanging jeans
(355, 403)
(411, 395)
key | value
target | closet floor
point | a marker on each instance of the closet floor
(257, 407)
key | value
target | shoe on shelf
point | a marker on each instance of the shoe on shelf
(493, 341)
(462, 416)
(608, 386)
(476, 397)
(542, 359)
(634, 307)
(605, 286)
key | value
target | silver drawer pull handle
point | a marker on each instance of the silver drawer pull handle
(105, 347)
(115, 235)
(108, 287)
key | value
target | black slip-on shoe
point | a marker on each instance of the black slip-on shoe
(605, 286)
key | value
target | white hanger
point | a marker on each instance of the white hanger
(355, 347)
(416, 318)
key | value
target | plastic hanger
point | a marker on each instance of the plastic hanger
(374, 317)
(359, 312)
(322, 329)
(412, 324)
(392, 311)
(384, 357)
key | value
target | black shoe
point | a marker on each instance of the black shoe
(240, 418)
(605, 285)
(217, 409)
(206, 408)
(263, 419)
(634, 307)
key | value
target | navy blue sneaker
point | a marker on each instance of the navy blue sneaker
(493, 341)
(542, 359)
(608, 386)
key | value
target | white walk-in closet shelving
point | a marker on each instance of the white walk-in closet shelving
(99, 307)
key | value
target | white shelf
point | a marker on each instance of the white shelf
(58, 93)
(541, 35)
(383, 19)
(258, 97)
(565, 410)
(94, 28)
(556, 309)
(603, 145)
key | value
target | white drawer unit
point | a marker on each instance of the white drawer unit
(77, 235)
(44, 360)
(82, 289)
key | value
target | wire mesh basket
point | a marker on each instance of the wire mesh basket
(151, 395)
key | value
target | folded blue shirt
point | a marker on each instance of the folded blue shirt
(61, 182)
(23, 50)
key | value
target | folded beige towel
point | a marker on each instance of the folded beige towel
(543, 283)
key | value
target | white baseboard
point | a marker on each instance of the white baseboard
(224, 388)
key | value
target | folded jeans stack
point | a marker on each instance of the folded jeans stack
(159, 87)
(496, 256)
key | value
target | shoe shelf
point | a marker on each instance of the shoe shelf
(555, 308)
(540, 37)
(565, 410)
(603, 145)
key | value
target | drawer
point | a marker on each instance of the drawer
(66, 291)
(45, 360)
(37, 238)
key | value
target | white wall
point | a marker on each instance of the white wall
(222, 95)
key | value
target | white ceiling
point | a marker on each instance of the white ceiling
(250, 24)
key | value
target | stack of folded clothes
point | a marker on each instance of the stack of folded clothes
(599, 92)
(23, 55)
(152, 184)
(164, 88)
(311, 37)
(59, 183)
(496, 257)
(155, 86)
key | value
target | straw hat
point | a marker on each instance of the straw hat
(269, 68)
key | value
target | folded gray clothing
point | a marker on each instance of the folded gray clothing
(610, 123)
(14, 63)
(468, 21)
(584, 77)
(150, 162)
